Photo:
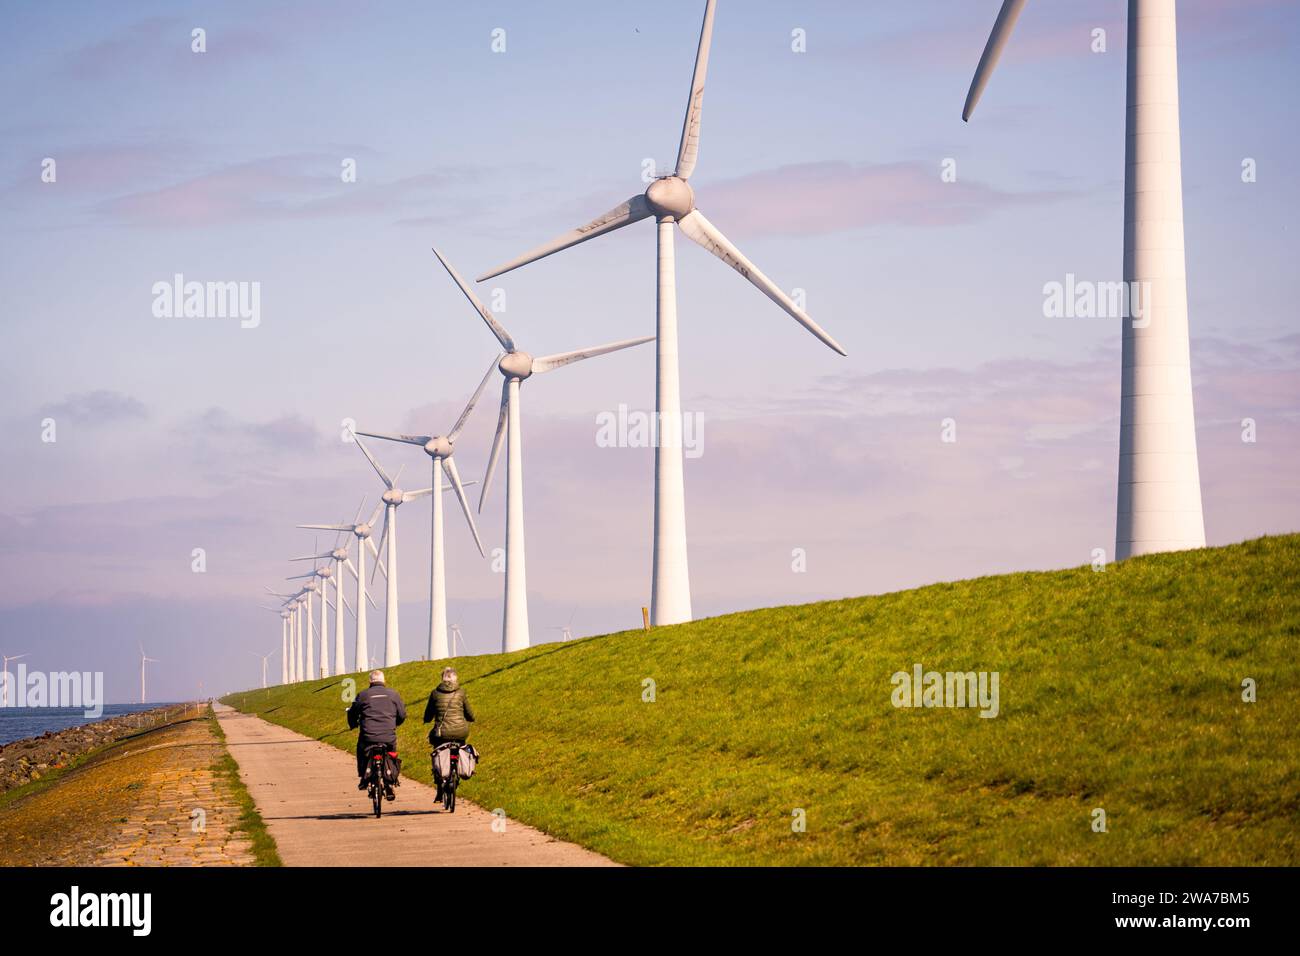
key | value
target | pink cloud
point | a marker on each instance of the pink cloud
(819, 198)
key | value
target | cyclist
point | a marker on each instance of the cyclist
(451, 713)
(377, 711)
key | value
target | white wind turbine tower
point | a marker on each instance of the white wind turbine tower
(440, 449)
(284, 640)
(670, 199)
(362, 532)
(517, 366)
(4, 676)
(294, 602)
(308, 592)
(341, 559)
(393, 498)
(1159, 491)
(265, 658)
(144, 659)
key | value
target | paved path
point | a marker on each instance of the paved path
(151, 798)
(185, 814)
(306, 792)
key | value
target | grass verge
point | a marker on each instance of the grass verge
(770, 736)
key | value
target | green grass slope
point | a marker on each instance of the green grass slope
(1120, 690)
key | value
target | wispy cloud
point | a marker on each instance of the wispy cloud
(103, 407)
(305, 186)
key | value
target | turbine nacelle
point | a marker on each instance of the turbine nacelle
(362, 531)
(670, 197)
(394, 496)
(438, 447)
(516, 365)
(324, 571)
(339, 554)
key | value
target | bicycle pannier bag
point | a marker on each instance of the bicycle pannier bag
(468, 761)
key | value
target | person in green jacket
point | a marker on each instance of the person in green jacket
(449, 710)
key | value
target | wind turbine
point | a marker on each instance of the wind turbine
(264, 658)
(144, 659)
(516, 366)
(295, 603)
(341, 559)
(284, 640)
(457, 641)
(440, 449)
(670, 199)
(308, 592)
(393, 498)
(4, 676)
(362, 532)
(566, 630)
(1158, 504)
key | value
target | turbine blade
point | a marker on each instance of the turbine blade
(379, 563)
(497, 440)
(351, 567)
(374, 515)
(314, 557)
(548, 363)
(383, 475)
(689, 150)
(412, 495)
(298, 577)
(407, 439)
(469, 407)
(381, 541)
(322, 527)
(700, 230)
(449, 466)
(497, 328)
(347, 604)
(1002, 28)
(634, 210)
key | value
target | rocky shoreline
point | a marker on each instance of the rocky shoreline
(23, 761)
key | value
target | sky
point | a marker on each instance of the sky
(487, 128)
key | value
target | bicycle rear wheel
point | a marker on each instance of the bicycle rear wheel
(451, 792)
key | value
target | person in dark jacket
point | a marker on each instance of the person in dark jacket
(377, 711)
(449, 711)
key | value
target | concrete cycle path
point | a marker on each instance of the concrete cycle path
(306, 792)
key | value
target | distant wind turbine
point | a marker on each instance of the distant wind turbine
(265, 658)
(516, 366)
(309, 591)
(294, 602)
(362, 531)
(566, 630)
(144, 659)
(284, 640)
(4, 676)
(670, 199)
(393, 498)
(341, 561)
(457, 641)
(440, 449)
(1159, 490)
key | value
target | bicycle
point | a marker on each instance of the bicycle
(377, 788)
(453, 776)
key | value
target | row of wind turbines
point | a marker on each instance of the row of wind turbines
(1159, 504)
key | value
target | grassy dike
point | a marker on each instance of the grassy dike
(1119, 690)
